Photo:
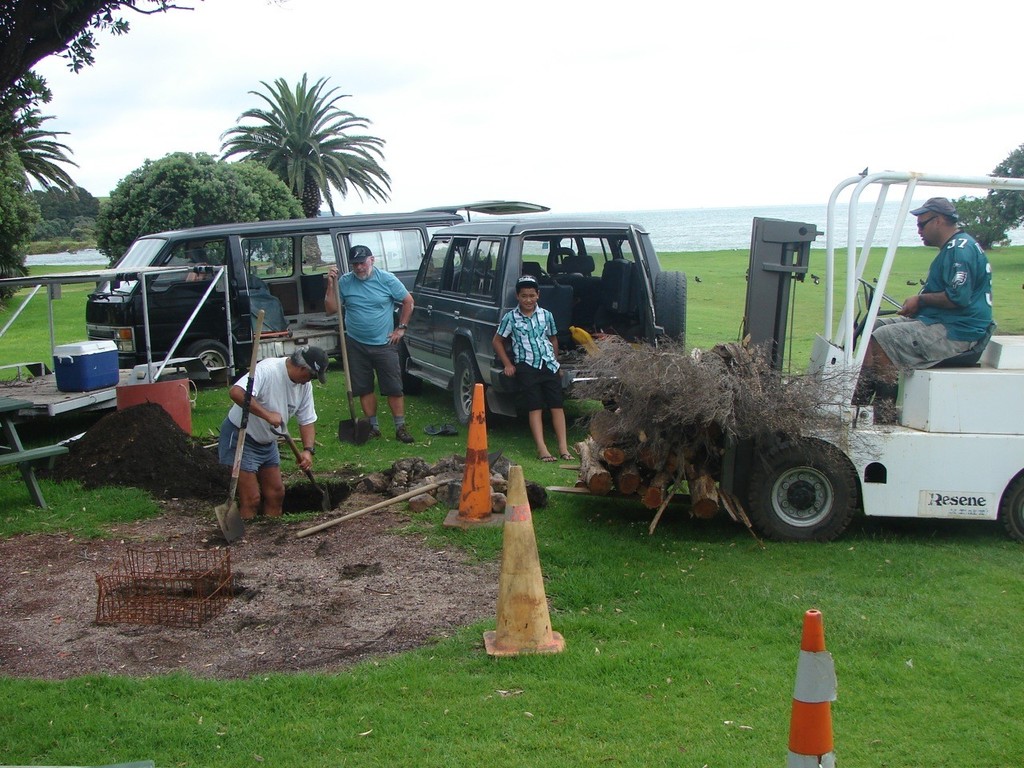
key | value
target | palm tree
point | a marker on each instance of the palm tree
(40, 152)
(303, 138)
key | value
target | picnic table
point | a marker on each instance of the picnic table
(13, 452)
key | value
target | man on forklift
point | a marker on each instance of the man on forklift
(950, 317)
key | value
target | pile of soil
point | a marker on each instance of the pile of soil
(143, 447)
(356, 590)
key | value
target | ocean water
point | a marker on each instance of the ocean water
(88, 257)
(714, 229)
(686, 229)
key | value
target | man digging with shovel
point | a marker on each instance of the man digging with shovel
(281, 388)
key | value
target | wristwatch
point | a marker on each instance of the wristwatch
(402, 326)
(310, 448)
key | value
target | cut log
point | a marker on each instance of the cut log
(613, 456)
(627, 478)
(657, 491)
(594, 475)
(703, 496)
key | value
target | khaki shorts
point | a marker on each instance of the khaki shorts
(910, 343)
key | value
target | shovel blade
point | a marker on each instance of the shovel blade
(230, 521)
(355, 431)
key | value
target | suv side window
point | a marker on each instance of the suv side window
(483, 268)
(442, 269)
(317, 254)
(394, 250)
(192, 253)
(270, 256)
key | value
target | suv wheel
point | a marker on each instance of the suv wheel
(670, 304)
(213, 354)
(465, 381)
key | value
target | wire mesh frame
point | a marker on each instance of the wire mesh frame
(168, 587)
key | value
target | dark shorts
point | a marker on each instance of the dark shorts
(255, 456)
(912, 344)
(365, 359)
(542, 388)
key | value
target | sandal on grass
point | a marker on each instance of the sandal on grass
(547, 459)
(566, 456)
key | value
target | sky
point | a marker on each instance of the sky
(599, 106)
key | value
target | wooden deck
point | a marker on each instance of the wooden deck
(47, 400)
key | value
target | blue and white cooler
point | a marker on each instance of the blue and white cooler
(85, 365)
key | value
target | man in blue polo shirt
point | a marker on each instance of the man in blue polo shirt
(370, 296)
(950, 315)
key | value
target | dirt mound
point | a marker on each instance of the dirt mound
(143, 447)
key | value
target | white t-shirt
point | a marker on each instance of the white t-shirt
(275, 392)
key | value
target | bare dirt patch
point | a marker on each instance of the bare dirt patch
(357, 590)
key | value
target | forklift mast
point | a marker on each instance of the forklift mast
(779, 253)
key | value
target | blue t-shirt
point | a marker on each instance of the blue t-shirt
(960, 270)
(370, 305)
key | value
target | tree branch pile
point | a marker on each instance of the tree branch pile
(670, 414)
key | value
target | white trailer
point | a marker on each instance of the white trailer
(956, 449)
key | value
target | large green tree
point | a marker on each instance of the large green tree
(18, 215)
(305, 138)
(31, 30)
(989, 219)
(185, 190)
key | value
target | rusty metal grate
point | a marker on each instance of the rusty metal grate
(168, 587)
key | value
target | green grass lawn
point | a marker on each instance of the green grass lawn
(681, 647)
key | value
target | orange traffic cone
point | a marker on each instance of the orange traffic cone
(810, 727)
(524, 625)
(475, 501)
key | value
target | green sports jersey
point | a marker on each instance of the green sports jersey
(961, 271)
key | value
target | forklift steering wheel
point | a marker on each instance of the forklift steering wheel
(869, 295)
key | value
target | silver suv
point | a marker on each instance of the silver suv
(601, 276)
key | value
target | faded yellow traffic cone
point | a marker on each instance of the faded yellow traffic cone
(475, 500)
(810, 727)
(524, 625)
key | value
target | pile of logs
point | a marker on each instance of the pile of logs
(668, 414)
(638, 468)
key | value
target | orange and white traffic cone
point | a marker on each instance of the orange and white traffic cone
(810, 726)
(524, 625)
(475, 500)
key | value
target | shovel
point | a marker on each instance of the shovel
(325, 500)
(228, 516)
(355, 431)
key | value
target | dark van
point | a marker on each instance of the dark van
(225, 273)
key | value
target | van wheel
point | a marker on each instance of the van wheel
(410, 384)
(1011, 508)
(802, 490)
(465, 381)
(670, 304)
(213, 354)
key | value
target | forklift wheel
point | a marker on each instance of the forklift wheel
(1011, 508)
(802, 490)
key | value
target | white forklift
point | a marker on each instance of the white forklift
(956, 449)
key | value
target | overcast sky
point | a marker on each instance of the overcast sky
(594, 106)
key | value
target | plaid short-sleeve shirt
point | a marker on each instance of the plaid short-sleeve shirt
(531, 342)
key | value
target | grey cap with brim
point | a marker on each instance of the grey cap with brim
(939, 205)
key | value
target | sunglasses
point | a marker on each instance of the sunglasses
(922, 224)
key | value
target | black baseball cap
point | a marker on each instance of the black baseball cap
(527, 281)
(937, 205)
(313, 359)
(359, 254)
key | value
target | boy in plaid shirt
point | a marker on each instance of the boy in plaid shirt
(532, 331)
